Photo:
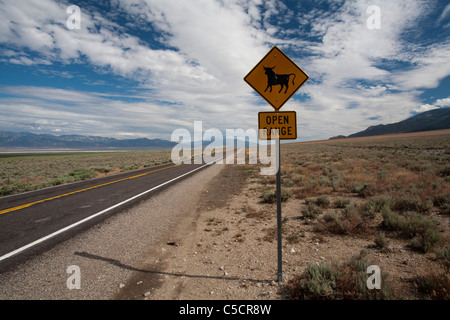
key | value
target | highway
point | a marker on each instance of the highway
(35, 221)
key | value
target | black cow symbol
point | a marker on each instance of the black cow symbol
(274, 79)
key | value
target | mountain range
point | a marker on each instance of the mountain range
(9, 140)
(437, 119)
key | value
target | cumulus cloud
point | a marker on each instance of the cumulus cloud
(425, 107)
(443, 102)
(439, 103)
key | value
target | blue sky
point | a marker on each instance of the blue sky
(143, 68)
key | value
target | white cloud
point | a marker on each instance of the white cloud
(425, 107)
(443, 102)
(90, 113)
(432, 65)
(349, 50)
(440, 103)
(40, 26)
(445, 13)
(22, 61)
(218, 37)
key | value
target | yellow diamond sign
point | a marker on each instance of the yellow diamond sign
(276, 78)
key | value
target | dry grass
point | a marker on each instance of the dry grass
(394, 188)
(337, 282)
(21, 172)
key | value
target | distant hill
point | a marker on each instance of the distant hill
(29, 140)
(437, 119)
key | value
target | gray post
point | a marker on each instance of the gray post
(280, 261)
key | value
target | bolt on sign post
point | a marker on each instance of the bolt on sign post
(276, 78)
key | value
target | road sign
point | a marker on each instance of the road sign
(283, 121)
(276, 78)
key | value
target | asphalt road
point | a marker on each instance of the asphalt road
(35, 221)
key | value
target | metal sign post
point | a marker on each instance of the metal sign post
(280, 255)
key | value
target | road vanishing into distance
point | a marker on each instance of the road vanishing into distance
(35, 221)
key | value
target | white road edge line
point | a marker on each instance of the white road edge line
(12, 253)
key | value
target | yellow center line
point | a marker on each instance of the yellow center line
(81, 190)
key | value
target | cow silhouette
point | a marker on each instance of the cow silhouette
(274, 79)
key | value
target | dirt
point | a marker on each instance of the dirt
(227, 249)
